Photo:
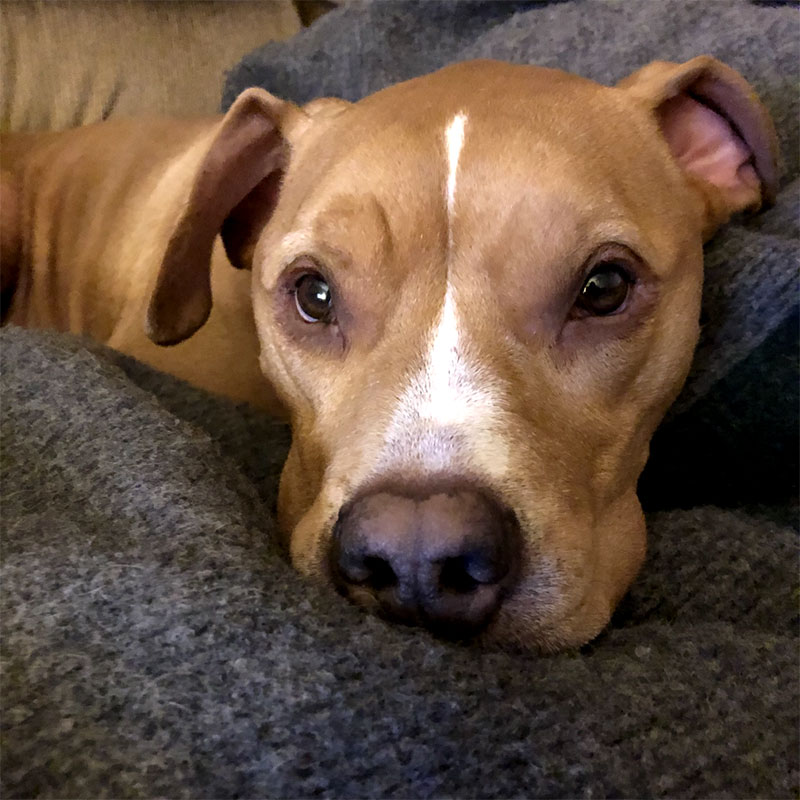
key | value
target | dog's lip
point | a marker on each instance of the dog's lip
(448, 629)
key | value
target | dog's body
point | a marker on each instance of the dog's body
(475, 294)
(94, 205)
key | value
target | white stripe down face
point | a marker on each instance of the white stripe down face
(448, 417)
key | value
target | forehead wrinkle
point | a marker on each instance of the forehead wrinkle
(357, 225)
(548, 210)
(349, 229)
(293, 244)
(538, 239)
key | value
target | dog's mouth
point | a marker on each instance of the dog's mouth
(442, 611)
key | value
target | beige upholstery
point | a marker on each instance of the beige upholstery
(67, 63)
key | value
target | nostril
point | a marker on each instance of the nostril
(464, 573)
(362, 569)
(379, 573)
(455, 576)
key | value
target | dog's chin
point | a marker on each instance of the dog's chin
(526, 630)
(512, 629)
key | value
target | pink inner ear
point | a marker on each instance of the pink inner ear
(704, 144)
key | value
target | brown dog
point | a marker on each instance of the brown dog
(475, 294)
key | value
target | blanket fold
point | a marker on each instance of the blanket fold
(156, 643)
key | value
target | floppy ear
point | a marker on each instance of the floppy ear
(718, 132)
(233, 192)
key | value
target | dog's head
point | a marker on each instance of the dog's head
(477, 293)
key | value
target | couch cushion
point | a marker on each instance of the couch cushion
(70, 63)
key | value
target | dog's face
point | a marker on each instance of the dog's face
(477, 294)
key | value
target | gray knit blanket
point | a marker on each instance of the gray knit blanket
(155, 642)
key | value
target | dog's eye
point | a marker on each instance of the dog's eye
(312, 296)
(605, 290)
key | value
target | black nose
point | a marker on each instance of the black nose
(444, 559)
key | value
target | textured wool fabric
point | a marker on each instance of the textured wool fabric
(156, 643)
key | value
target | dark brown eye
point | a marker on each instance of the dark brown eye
(605, 290)
(313, 298)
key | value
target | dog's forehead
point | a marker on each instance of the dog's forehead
(520, 128)
(507, 107)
